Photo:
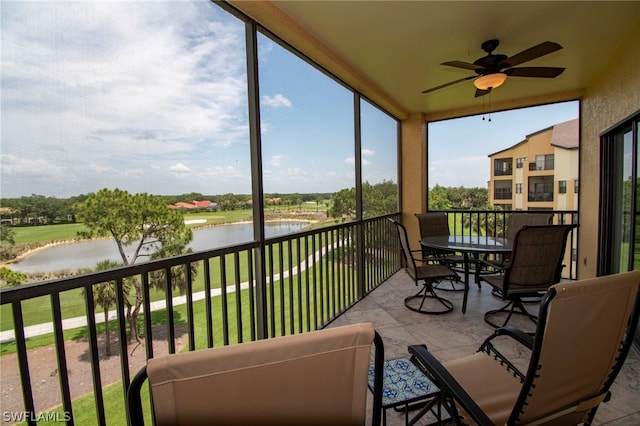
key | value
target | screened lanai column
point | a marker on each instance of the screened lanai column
(413, 172)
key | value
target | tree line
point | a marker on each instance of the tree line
(39, 209)
(458, 198)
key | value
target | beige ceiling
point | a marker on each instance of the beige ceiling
(392, 50)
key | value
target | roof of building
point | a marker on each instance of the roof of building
(189, 206)
(566, 135)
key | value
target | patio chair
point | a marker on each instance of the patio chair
(515, 222)
(582, 339)
(315, 378)
(535, 265)
(435, 224)
(428, 274)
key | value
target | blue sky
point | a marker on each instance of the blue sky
(151, 96)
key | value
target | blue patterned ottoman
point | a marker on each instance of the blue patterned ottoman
(403, 384)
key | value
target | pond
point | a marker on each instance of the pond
(86, 254)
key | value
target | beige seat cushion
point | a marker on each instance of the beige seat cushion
(312, 378)
(489, 384)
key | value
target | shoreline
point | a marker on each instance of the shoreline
(30, 252)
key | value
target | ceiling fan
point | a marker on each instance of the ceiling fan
(493, 70)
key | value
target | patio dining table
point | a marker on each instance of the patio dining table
(468, 245)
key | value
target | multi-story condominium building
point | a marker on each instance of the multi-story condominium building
(538, 173)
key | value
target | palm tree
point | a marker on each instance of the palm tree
(104, 295)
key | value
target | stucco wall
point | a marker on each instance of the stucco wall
(610, 99)
(414, 174)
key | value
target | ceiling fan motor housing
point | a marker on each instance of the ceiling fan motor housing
(491, 64)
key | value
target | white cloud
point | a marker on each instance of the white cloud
(352, 160)
(276, 160)
(368, 152)
(179, 168)
(127, 86)
(276, 101)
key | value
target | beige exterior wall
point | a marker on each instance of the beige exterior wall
(413, 178)
(565, 168)
(567, 163)
(538, 144)
(610, 99)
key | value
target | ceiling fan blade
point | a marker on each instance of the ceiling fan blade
(542, 72)
(451, 83)
(530, 54)
(463, 65)
(480, 92)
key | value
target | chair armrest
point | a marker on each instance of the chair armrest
(492, 263)
(447, 383)
(134, 404)
(378, 379)
(518, 335)
(515, 333)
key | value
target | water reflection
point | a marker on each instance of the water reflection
(87, 254)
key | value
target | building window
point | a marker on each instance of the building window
(518, 188)
(562, 187)
(502, 190)
(520, 162)
(541, 188)
(543, 162)
(503, 166)
(576, 186)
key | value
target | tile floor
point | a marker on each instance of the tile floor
(455, 334)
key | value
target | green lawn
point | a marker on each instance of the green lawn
(47, 233)
(68, 231)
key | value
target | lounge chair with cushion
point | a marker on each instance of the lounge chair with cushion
(584, 333)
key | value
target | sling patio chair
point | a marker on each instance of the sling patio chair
(536, 264)
(435, 224)
(584, 334)
(425, 301)
(313, 378)
(515, 222)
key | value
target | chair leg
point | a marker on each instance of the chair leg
(425, 294)
(513, 307)
(450, 284)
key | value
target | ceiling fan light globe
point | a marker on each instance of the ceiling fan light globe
(490, 81)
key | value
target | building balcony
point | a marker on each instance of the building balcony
(291, 284)
(502, 195)
(540, 196)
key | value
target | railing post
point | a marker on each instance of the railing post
(359, 237)
(255, 143)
